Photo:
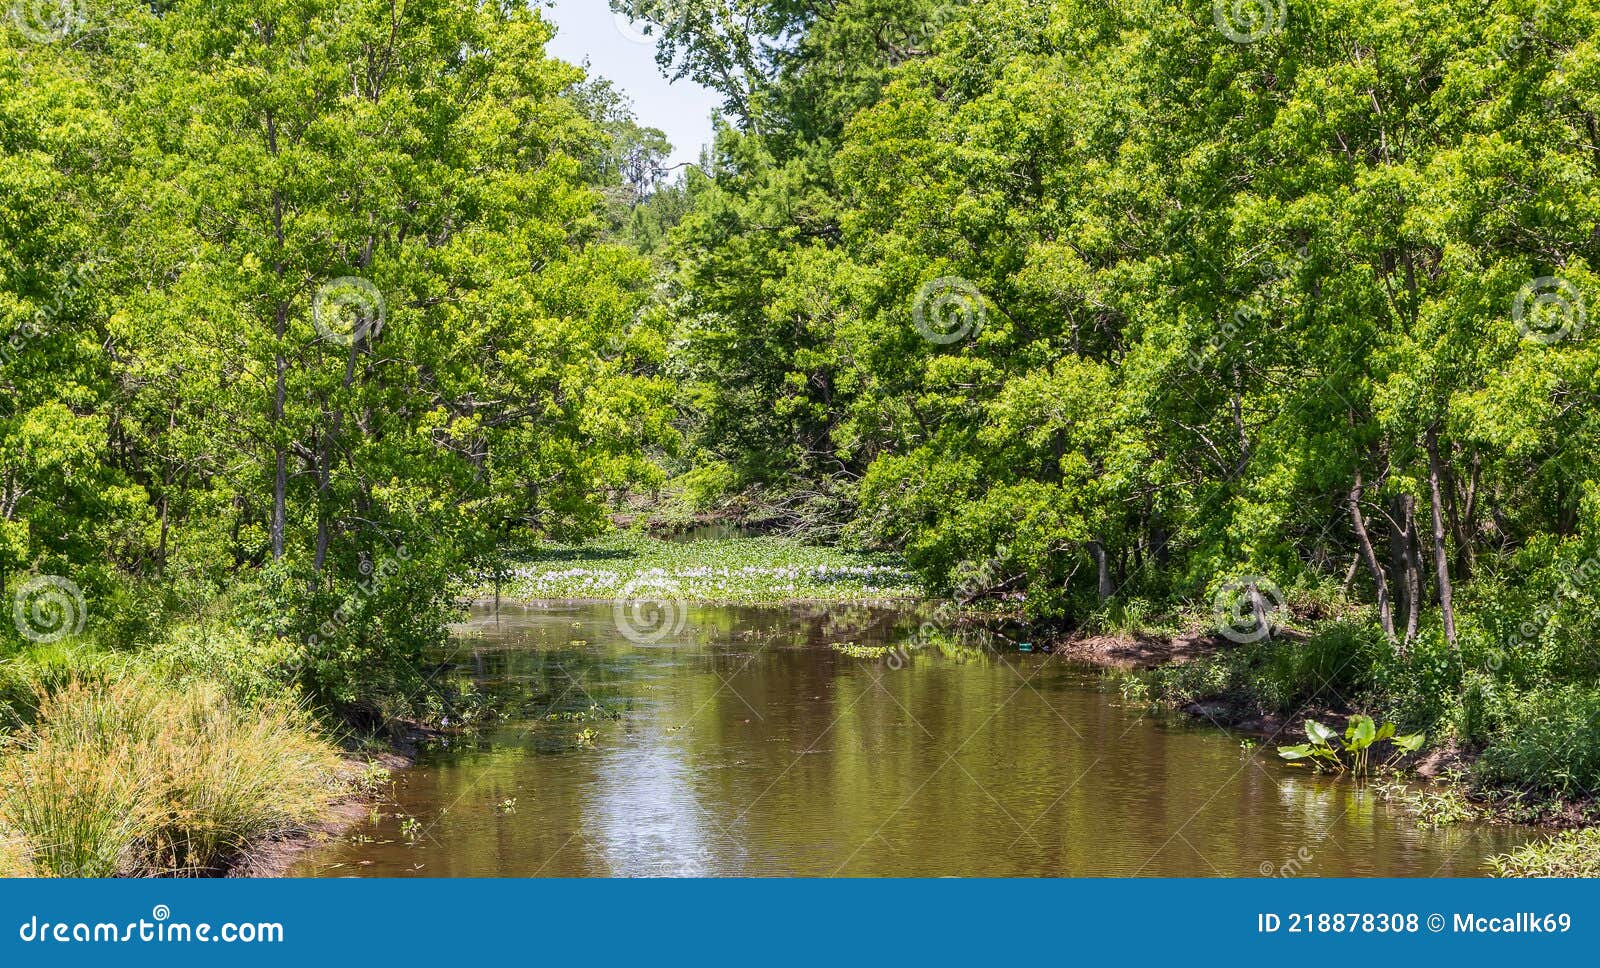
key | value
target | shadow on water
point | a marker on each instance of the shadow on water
(745, 744)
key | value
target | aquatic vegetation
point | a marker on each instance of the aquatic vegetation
(855, 651)
(1327, 751)
(507, 806)
(374, 777)
(1441, 808)
(594, 713)
(723, 571)
(411, 829)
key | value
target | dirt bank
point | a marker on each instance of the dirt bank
(1138, 651)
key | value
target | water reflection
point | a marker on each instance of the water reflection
(748, 746)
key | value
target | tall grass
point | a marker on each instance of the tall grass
(134, 777)
(41, 669)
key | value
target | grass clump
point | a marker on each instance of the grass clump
(1572, 853)
(137, 778)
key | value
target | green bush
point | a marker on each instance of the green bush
(250, 669)
(42, 669)
(1332, 667)
(1545, 739)
(357, 647)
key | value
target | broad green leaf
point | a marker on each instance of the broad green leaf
(1360, 733)
(1410, 743)
(1319, 733)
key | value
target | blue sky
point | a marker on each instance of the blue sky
(588, 30)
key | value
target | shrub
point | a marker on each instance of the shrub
(358, 645)
(1333, 667)
(250, 669)
(1546, 738)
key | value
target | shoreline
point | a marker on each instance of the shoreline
(275, 857)
(1438, 766)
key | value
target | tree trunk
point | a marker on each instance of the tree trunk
(1440, 552)
(1465, 550)
(1368, 555)
(1413, 555)
(1103, 567)
(1399, 587)
(280, 329)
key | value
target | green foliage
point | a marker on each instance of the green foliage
(1434, 809)
(1309, 308)
(270, 317)
(1334, 667)
(1191, 335)
(1545, 739)
(856, 651)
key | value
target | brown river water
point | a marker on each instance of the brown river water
(745, 745)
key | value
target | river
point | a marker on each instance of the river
(746, 745)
